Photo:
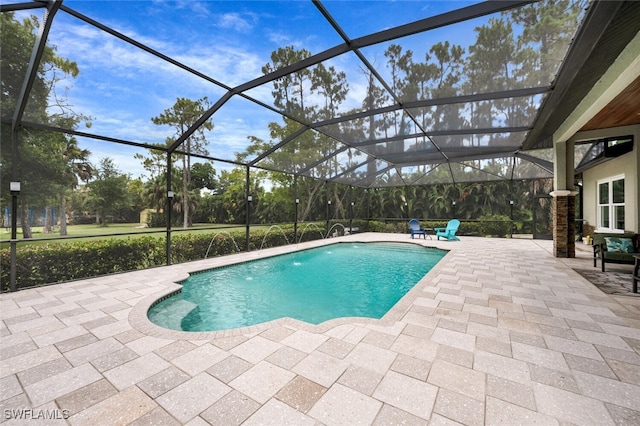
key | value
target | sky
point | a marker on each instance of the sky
(122, 87)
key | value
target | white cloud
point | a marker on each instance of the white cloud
(241, 23)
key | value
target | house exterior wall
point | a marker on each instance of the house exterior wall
(626, 165)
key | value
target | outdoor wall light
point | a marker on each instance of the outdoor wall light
(169, 194)
(14, 187)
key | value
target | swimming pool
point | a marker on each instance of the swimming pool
(313, 285)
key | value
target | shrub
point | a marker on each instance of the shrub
(495, 225)
(376, 226)
(311, 231)
(470, 228)
(272, 238)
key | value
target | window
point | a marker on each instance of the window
(611, 203)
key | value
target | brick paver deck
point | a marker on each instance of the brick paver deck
(499, 332)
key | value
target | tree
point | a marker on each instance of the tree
(39, 167)
(77, 168)
(399, 64)
(154, 193)
(376, 97)
(233, 195)
(182, 116)
(547, 29)
(293, 94)
(138, 203)
(332, 86)
(203, 175)
(108, 192)
(446, 75)
(289, 92)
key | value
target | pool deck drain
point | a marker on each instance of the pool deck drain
(498, 332)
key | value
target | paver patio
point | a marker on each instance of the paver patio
(499, 332)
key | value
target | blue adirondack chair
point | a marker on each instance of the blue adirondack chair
(450, 231)
(416, 229)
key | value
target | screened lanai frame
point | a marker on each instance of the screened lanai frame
(423, 144)
(422, 153)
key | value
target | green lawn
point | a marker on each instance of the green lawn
(98, 232)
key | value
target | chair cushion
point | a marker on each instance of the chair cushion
(619, 245)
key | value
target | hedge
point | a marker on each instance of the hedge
(495, 225)
(50, 263)
(38, 265)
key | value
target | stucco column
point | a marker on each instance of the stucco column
(564, 201)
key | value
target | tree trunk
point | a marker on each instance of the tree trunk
(339, 205)
(48, 218)
(26, 226)
(311, 194)
(185, 195)
(63, 215)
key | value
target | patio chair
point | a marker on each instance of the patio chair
(450, 231)
(416, 229)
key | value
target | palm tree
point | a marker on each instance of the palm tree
(155, 192)
(438, 201)
(76, 168)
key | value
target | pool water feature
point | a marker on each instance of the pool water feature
(313, 285)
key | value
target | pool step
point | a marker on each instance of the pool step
(176, 312)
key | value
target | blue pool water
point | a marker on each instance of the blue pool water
(314, 285)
